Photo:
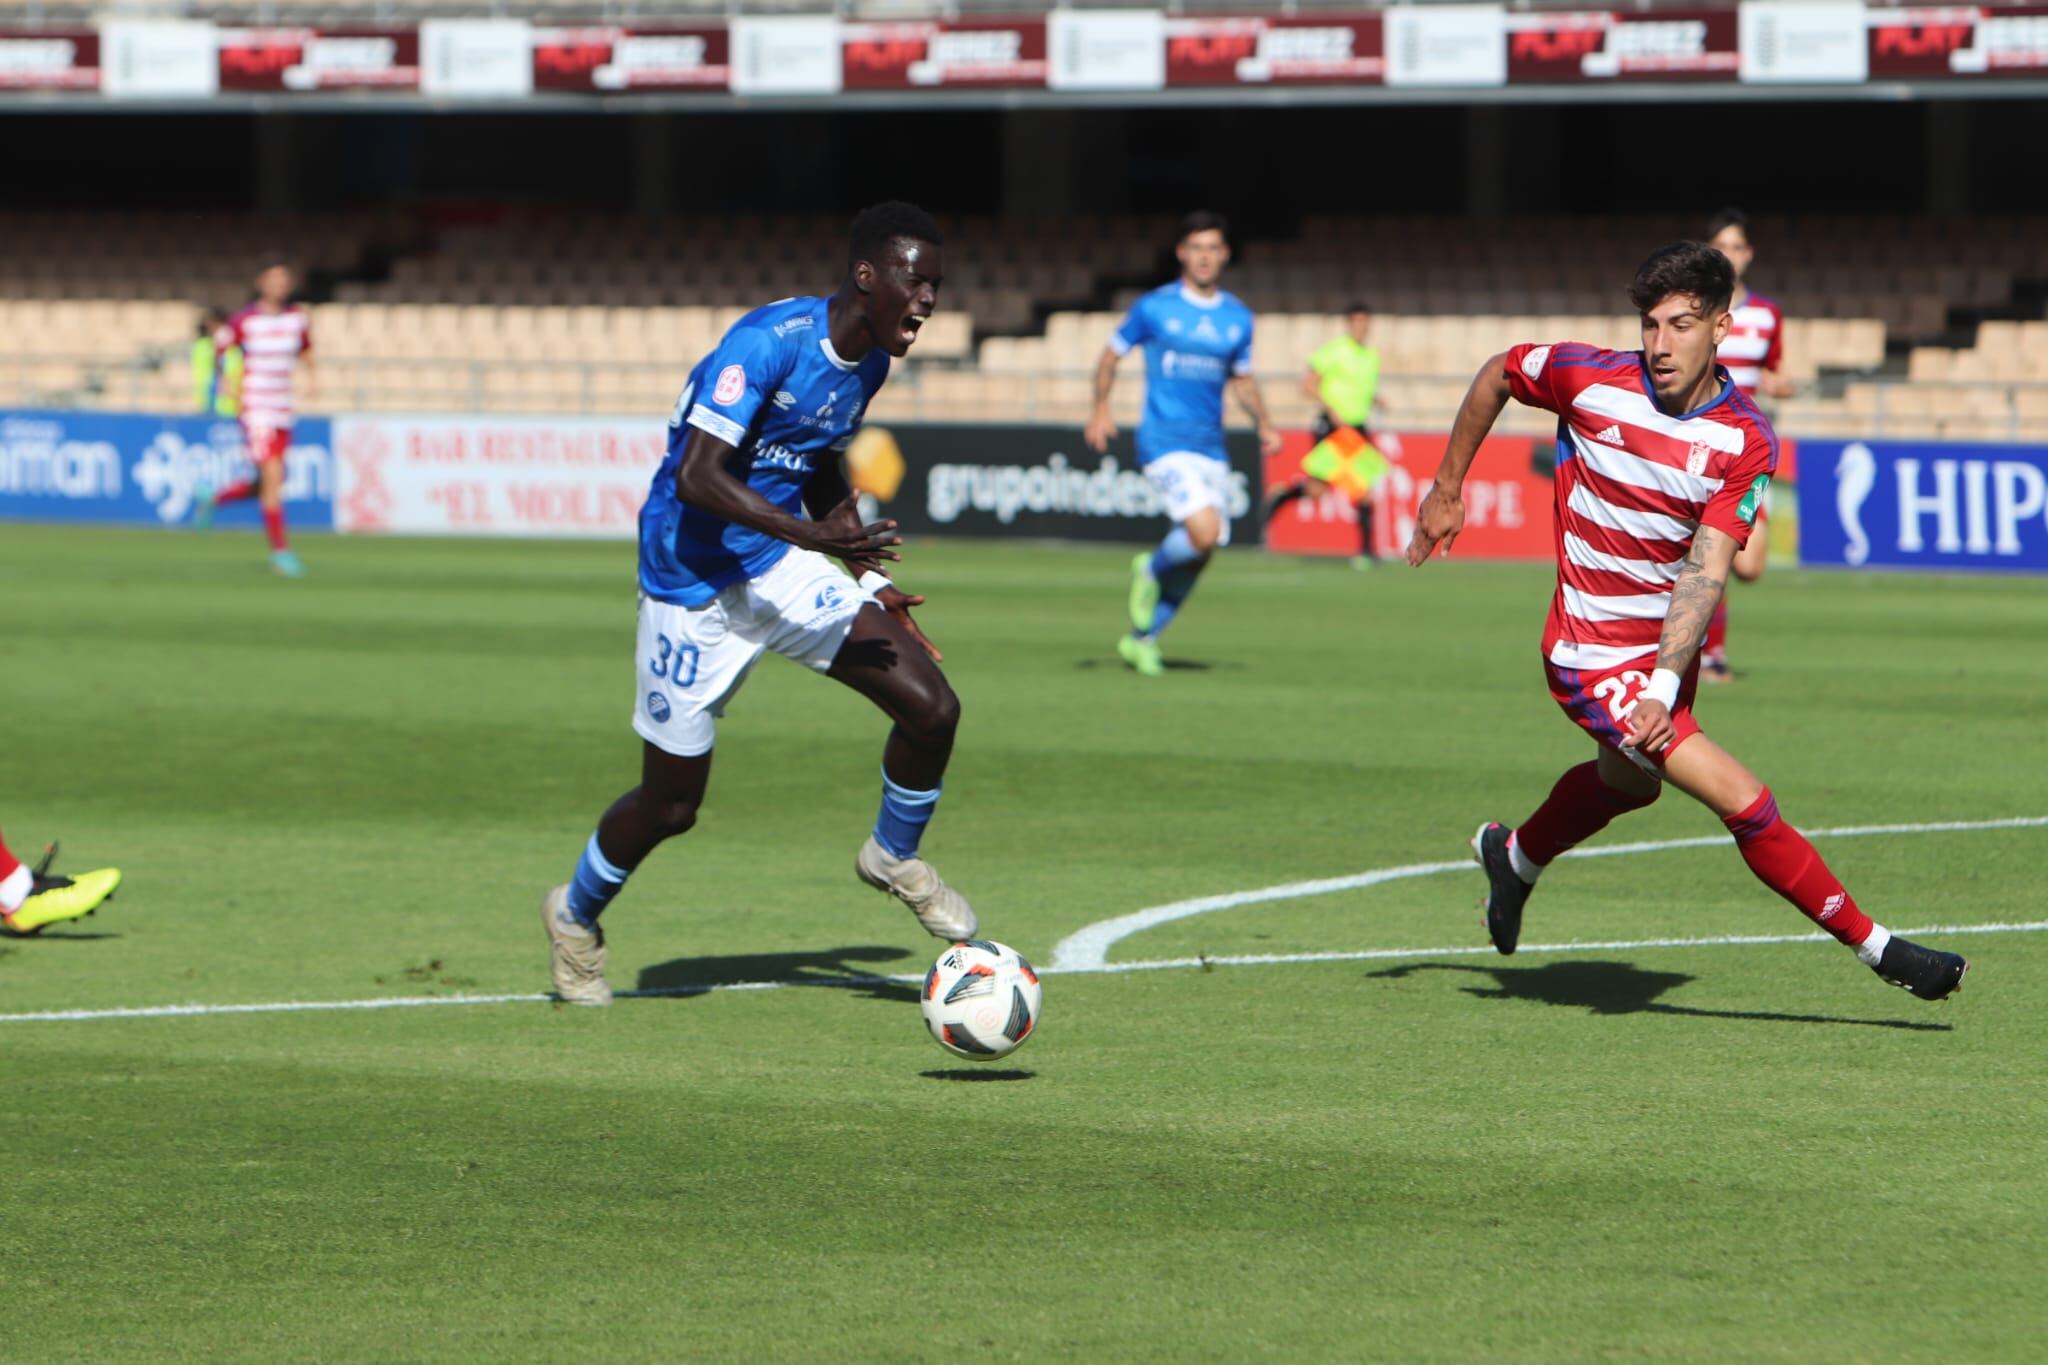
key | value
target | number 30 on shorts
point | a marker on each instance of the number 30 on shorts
(675, 661)
(1621, 692)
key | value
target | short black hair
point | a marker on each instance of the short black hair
(877, 225)
(1203, 220)
(1727, 218)
(1690, 268)
(1358, 306)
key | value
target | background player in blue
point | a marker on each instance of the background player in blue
(1198, 342)
(730, 567)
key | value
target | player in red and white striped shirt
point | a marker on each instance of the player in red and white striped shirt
(1753, 352)
(276, 338)
(1662, 463)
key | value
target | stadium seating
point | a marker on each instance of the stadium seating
(551, 312)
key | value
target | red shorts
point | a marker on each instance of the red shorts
(265, 440)
(1601, 703)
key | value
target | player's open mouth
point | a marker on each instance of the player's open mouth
(910, 326)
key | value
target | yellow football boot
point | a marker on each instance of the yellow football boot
(57, 899)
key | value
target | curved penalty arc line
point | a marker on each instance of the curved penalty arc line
(1088, 949)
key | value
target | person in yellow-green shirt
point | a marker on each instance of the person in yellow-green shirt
(1343, 380)
(216, 372)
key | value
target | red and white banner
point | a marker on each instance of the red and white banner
(1604, 45)
(1508, 512)
(510, 476)
(1276, 50)
(305, 60)
(609, 59)
(931, 56)
(1958, 40)
(50, 61)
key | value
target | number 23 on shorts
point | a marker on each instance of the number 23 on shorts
(1620, 692)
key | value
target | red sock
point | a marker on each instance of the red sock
(273, 526)
(235, 492)
(1578, 807)
(16, 882)
(1785, 862)
(1717, 632)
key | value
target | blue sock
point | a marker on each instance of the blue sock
(1174, 588)
(904, 814)
(595, 883)
(1173, 552)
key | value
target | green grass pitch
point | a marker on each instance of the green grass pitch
(358, 786)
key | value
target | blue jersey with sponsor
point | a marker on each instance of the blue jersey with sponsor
(776, 392)
(1193, 346)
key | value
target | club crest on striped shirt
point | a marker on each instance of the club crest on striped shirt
(1696, 458)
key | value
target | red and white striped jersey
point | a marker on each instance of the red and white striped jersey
(1633, 487)
(271, 346)
(1755, 341)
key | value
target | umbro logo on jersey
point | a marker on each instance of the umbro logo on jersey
(784, 398)
(1612, 435)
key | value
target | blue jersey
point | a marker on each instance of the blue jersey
(777, 392)
(1192, 348)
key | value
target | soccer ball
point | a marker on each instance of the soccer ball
(980, 1000)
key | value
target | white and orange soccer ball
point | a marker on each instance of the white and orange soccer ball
(981, 1000)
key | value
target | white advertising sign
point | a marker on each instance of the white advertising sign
(158, 59)
(476, 58)
(798, 55)
(485, 476)
(1796, 42)
(1113, 49)
(1456, 45)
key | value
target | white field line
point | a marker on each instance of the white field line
(1292, 890)
(1088, 949)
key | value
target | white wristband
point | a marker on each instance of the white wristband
(875, 582)
(1663, 687)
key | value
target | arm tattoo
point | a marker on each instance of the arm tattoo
(1105, 376)
(1693, 599)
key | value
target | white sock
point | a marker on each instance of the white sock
(1519, 860)
(15, 886)
(1871, 949)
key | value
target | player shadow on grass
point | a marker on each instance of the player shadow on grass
(1171, 665)
(837, 967)
(50, 936)
(1618, 988)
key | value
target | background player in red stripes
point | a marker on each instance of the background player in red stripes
(1754, 354)
(1662, 464)
(275, 337)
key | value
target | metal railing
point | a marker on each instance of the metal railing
(917, 392)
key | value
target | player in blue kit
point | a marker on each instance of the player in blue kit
(1198, 342)
(731, 567)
